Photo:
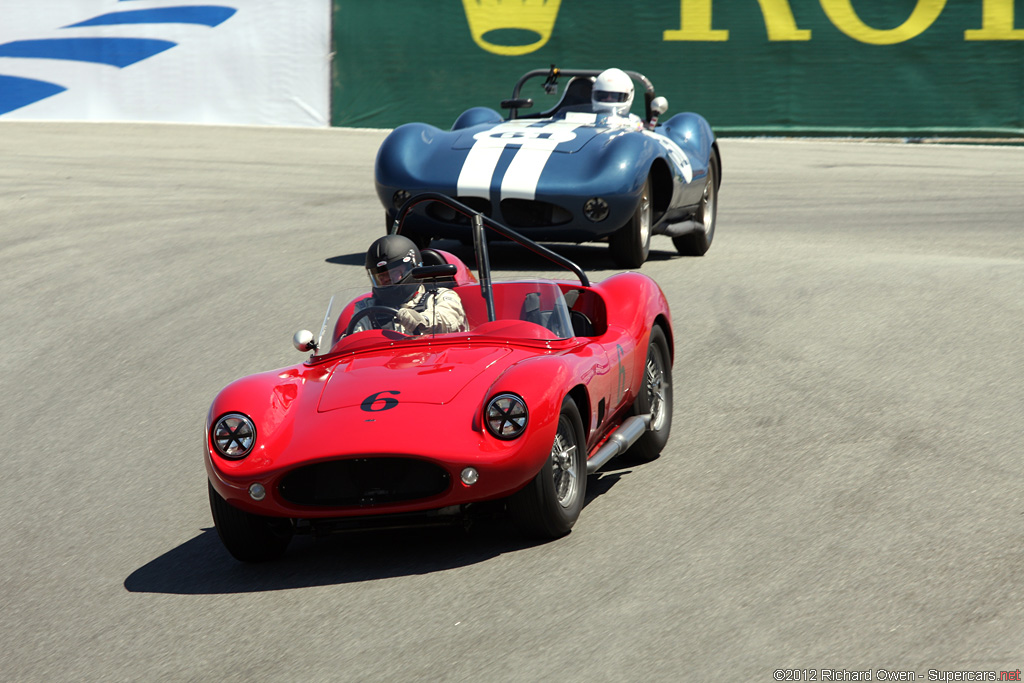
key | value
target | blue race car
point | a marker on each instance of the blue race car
(585, 170)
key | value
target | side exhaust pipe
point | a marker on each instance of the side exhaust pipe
(620, 440)
(682, 228)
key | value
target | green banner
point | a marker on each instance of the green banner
(751, 67)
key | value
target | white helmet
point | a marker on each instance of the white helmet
(612, 93)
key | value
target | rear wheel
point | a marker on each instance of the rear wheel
(248, 537)
(550, 504)
(631, 244)
(655, 397)
(697, 243)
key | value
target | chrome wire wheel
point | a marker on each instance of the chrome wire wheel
(645, 214)
(698, 241)
(654, 398)
(709, 207)
(564, 470)
(654, 384)
(548, 506)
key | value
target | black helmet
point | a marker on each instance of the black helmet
(389, 260)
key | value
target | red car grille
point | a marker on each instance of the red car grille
(363, 482)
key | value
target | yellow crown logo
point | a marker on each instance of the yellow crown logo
(511, 27)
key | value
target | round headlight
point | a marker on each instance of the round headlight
(234, 435)
(596, 209)
(506, 416)
(400, 198)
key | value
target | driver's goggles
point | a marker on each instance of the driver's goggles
(391, 273)
(610, 96)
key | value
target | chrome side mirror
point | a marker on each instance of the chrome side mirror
(659, 105)
(303, 341)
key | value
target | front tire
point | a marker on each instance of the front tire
(698, 242)
(551, 503)
(655, 397)
(631, 244)
(248, 537)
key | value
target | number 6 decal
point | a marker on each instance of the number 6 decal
(375, 403)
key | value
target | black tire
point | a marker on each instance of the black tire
(420, 241)
(631, 244)
(697, 243)
(655, 397)
(550, 504)
(248, 537)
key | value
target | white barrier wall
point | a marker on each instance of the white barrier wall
(261, 62)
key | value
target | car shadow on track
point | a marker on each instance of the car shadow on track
(508, 256)
(201, 565)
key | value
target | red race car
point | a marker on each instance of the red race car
(544, 383)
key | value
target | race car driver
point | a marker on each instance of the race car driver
(389, 263)
(611, 99)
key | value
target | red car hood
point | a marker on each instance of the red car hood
(421, 376)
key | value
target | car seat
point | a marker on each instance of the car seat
(531, 309)
(430, 257)
(532, 312)
(581, 324)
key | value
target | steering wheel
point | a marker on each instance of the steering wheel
(378, 313)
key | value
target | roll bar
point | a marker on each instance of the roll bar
(477, 222)
(554, 73)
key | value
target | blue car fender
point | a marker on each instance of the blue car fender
(693, 134)
(476, 116)
(404, 158)
(628, 159)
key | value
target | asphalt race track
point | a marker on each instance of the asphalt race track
(842, 491)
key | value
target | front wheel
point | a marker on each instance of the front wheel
(631, 244)
(550, 504)
(655, 397)
(248, 537)
(697, 243)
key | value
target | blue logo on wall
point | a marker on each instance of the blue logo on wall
(17, 92)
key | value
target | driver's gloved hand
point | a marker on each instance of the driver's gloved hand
(412, 320)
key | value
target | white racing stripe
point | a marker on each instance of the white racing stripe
(475, 178)
(536, 143)
(523, 174)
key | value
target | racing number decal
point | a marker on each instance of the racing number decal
(534, 144)
(375, 403)
(675, 152)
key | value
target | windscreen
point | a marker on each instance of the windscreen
(539, 302)
(523, 310)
